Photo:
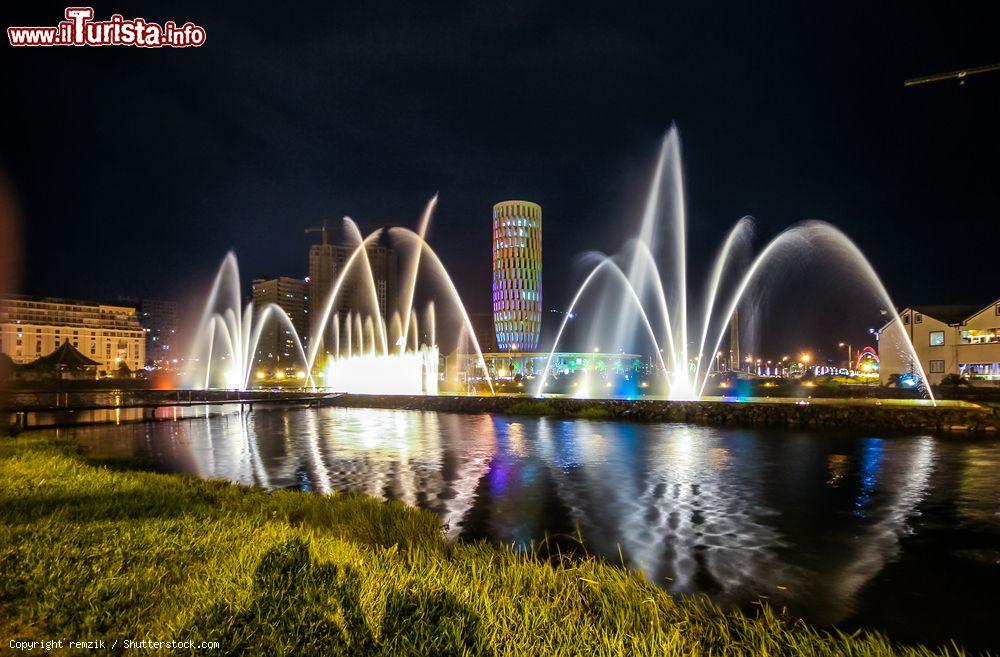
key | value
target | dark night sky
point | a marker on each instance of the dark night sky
(137, 169)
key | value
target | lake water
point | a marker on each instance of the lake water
(900, 533)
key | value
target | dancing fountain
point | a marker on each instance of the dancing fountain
(225, 343)
(639, 301)
(359, 352)
(638, 305)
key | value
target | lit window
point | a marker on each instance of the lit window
(937, 338)
(937, 367)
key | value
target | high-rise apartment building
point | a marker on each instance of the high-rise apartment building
(31, 327)
(327, 261)
(159, 321)
(277, 342)
(517, 275)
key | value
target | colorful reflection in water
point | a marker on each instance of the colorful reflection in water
(900, 534)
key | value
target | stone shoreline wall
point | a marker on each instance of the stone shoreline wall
(838, 415)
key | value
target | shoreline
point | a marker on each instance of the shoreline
(889, 415)
(811, 414)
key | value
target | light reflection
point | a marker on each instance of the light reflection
(731, 513)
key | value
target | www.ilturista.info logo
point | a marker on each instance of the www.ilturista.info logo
(80, 29)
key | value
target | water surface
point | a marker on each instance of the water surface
(900, 534)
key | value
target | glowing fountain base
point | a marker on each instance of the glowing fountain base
(412, 373)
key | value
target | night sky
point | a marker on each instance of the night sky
(136, 170)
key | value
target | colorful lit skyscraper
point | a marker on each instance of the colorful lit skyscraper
(517, 275)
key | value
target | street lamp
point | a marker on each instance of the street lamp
(849, 359)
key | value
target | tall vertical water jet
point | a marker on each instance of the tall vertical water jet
(664, 225)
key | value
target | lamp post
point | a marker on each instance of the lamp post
(849, 348)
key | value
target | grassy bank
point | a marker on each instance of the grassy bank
(97, 550)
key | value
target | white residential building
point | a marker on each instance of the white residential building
(963, 340)
(32, 327)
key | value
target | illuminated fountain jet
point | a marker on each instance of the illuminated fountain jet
(640, 301)
(369, 353)
(224, 349)
(380, 356)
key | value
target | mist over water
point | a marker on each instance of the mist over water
(900, 534)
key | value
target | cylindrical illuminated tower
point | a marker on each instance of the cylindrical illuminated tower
(517, 275)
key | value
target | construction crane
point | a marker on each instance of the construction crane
(959, 75)
(362, 226)
(320, 229)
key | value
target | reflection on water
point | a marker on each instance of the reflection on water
(826, 526)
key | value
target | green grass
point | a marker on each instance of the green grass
(531, 407)
(594, 413)
(100, 550)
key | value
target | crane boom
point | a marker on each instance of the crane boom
(319, 229)
(960, 74)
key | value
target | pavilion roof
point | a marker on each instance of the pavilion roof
(65, 357)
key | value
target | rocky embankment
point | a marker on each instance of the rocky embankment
(846, 414)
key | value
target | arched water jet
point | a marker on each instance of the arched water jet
(666, 204)
(743, 227)
(424, 246)
(264, 314)
(412, 287)
(239, 329)
(643, 251)
(220, 326)
(606, 262)
(360, 340)
(331, 296)
(211, 345)
(807, 234)
(355, 233)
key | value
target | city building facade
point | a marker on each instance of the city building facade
(327, 261)
(159, 320)
(32, 327)
(959, 340)
(277, 342)
(517, 275)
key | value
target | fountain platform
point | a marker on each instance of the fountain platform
(884, 415)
